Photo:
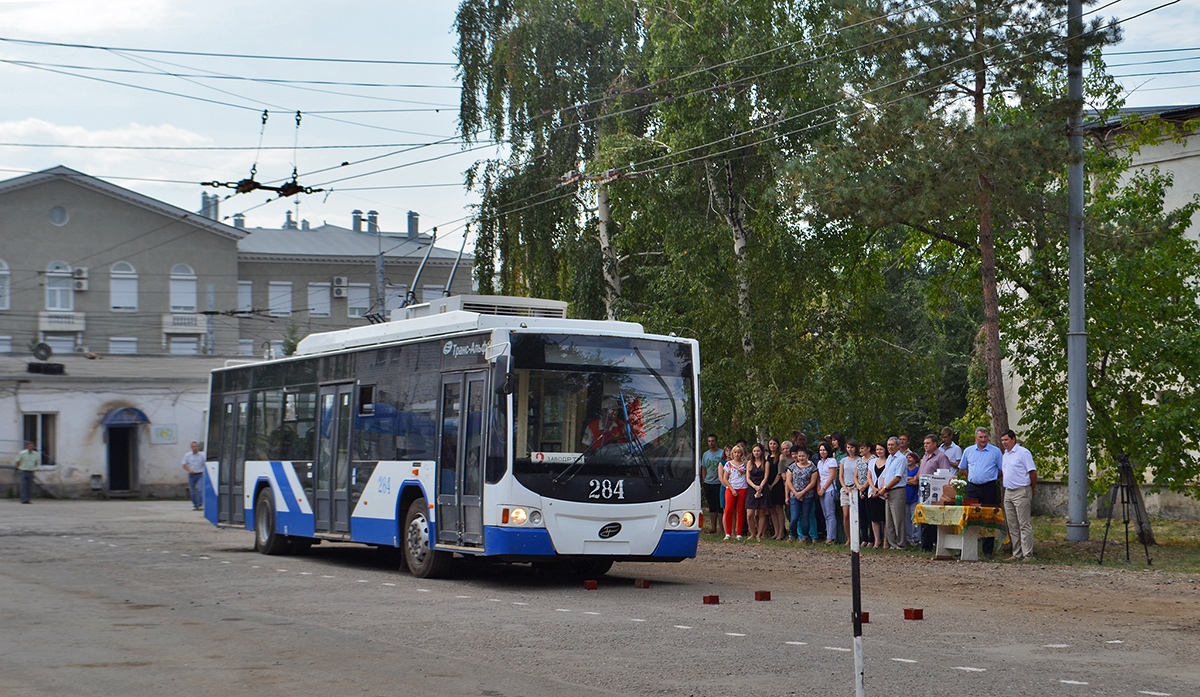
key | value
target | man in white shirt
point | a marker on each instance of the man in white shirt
(1020, 484)
(950, 448)
(193, 463)
(894, 476)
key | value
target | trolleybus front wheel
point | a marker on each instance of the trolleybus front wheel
(266, 540)
(422, 561)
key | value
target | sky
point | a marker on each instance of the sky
(375, 136)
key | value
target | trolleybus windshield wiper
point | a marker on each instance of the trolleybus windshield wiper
(636, 449)
(569, 472)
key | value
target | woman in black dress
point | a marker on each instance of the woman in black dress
(779, 457)
(758, 501)
(876, 505)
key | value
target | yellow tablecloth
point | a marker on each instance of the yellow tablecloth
(959, 517)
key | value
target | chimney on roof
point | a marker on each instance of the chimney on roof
(289, 224)
(210, 206)
(239, 221)
(304, 224)
(373, 222)
(414, 225)
(356, 220)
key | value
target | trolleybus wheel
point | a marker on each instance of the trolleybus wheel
(266, 540)
(422, 561)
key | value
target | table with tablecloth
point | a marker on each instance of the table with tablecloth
(960, 527)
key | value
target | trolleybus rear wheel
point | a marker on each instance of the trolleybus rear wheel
(422, 561)
(266, 540)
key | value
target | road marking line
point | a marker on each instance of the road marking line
(1115, 641)
(904, 660)
(91, 540)
(734, 634)
(516, 603)
(561, 609)
(591, 613)
(282, 570)
(835, 648)
(969, 669)
(115, 546)
(306, 573)
(1055, 646)
(796, 643)
(185, 555)
(255, 566)
(226, 562)
(360, 580)
(326, 577)
(203, 557)
(1156, 694)
(1072, 682)
(495, 600)
(464, 597)
(634, 619)
(166, 551)
(388, 584)
(424, 590)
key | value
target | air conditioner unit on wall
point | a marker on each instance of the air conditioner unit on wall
(81, 284)
(340, 282)
(80, 272)
(340, 292)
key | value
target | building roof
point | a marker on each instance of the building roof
(61, 173)
(1126, 115)
(116, 369)
(333, 243)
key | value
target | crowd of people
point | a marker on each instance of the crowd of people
(789, 490)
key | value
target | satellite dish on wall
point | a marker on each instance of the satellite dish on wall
(42, 351)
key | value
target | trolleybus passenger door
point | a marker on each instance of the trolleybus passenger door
(460, 460)
(232, 467)
(333, 459)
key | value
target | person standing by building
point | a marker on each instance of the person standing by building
(711, 461)
(982, 466)
(27, 462)
(1020, 484)
(193, 463)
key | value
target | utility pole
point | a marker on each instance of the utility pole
(1077, 464)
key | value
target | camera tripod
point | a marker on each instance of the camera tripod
(1126, 484)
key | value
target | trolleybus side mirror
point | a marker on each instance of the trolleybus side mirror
(503, 380)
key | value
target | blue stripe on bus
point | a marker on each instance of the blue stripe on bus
(293, 522)
(210, 498)
(498, 540)
(378, 531)
(677, 543)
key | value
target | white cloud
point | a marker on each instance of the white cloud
(60, 19)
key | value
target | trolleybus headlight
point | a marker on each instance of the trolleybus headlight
(673, 520)
(689, 519)
(518, 516)
(535, 517)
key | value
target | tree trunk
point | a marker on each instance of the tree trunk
(611, 265)
(987, 259)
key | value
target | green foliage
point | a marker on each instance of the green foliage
(291, 339)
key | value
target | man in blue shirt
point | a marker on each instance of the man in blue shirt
(982, 465)
(711, 461)
(894, 477)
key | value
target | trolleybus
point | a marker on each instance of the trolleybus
(480, 426)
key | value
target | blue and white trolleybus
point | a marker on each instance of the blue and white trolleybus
(479, 426)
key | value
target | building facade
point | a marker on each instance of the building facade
(114, 307)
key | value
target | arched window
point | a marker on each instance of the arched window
(123, 287)
(183, 288)
(59, 293)
(4, 286)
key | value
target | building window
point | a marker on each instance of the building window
(319, 302)
(4, 286)
(60, 343)
(245, 347)
(183, 288)
(5, 344)
(245, 297)
(184, 345)
(358, 300)
(279, 298)
(122, 344)
(40, 429)
(123, 287)
(59, 293)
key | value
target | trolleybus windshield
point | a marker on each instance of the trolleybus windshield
(603, 419)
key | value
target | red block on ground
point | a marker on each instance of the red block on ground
(914, 613)
(591, 585)
(712, 600)
(641, 583)
(866, 618)
(762, 595)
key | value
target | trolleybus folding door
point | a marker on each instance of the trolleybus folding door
(460, 459)
(333, 459)
(231, 468)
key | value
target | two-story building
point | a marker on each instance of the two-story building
(114, 307)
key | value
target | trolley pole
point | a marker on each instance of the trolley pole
(856, 597)
(1077, 465)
